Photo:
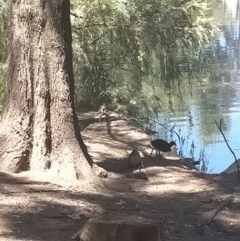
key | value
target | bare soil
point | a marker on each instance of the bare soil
(191, 205)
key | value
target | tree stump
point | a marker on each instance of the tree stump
(120, 228)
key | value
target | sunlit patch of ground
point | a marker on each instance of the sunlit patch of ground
(40, 207)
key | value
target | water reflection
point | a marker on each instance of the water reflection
(215, 96)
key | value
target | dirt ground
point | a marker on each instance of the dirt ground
(190, 204)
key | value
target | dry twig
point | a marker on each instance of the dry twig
(236, 161)
(211, 215)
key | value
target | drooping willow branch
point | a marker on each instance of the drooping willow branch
(164, 126)
(220, 129)
(170, 130)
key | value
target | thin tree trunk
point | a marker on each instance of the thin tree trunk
(39, 129)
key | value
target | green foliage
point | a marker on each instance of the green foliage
(129, 53)
(104, 47)
(4, 24)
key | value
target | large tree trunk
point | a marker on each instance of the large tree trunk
(39, 129)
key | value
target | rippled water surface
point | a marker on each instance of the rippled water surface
(213, 99)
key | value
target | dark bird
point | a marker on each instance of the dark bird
(190, 163)
(162, 145)
(196, 163)
(135, 161)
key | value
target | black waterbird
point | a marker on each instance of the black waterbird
(161, 145)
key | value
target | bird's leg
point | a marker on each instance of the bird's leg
(151, 153)
(161, 155)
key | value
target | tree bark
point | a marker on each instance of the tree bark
(39, 129)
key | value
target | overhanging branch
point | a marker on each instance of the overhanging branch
(220, 129)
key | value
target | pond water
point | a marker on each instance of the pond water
(216, 96)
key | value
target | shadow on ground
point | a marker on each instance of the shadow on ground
(41, 211)
(181, 198)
